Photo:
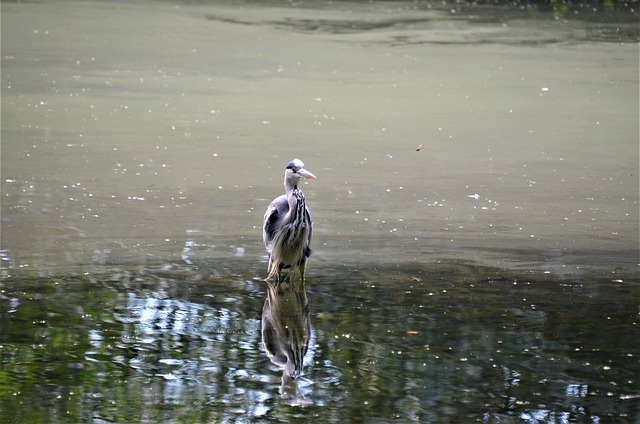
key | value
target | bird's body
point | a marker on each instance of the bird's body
(287, 227)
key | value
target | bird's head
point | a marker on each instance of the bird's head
(295, 172)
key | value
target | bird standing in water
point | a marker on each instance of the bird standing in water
(287, 226)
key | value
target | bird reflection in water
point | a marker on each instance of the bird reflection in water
(286, 329)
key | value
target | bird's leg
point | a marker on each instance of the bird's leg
(302, 267)
(282, 275)
(279, 275)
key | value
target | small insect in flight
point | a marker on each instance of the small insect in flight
(420, 147)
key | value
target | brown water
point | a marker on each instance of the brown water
(141, 144)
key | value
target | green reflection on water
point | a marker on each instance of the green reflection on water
(429, 344)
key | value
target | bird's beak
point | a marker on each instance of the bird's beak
(306, 174)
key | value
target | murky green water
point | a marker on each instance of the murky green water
(433, 343)
(490, 277)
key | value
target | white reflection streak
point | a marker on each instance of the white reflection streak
(577, 390)
(153, 316)
(186, 251)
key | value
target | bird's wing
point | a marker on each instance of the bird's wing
(307, 218)
(272, 217)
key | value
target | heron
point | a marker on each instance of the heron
(287, 226)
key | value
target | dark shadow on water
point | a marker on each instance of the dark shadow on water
(442, 342)
(604, 21)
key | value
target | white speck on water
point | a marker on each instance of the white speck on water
(474, 196)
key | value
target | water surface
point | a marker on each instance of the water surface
(491, 276)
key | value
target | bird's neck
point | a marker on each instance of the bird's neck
(296, 212)
(289, 186)
(295, 197)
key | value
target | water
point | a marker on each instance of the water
(431, 344)
(491, 276)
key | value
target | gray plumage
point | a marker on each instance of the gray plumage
(287, 227)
